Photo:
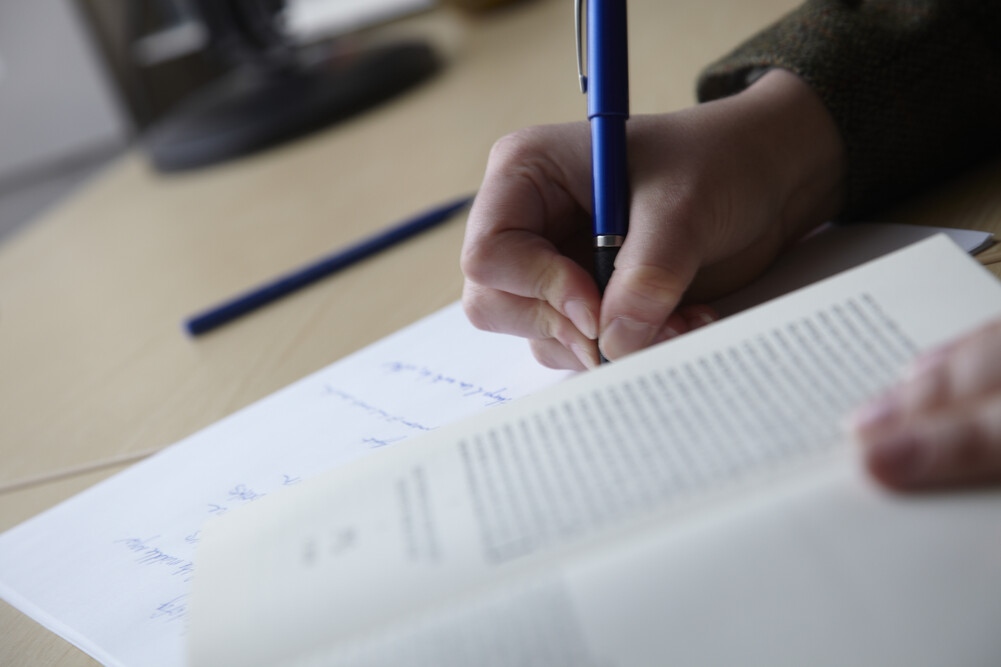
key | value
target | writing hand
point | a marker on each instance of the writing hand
(717, 190)
(941, 426)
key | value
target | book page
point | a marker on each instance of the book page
(111, 568)
(402, 539)
(824, 570)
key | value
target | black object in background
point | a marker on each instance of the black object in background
(252, 86)
(250, 109)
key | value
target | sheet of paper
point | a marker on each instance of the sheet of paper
(110, 570)
(834, 248)
(825, 571)
(739, 407)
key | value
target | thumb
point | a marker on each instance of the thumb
(652, 271)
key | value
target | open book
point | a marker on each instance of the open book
(694, 504)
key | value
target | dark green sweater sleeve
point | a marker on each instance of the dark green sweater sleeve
(913, 85)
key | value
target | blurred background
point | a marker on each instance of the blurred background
(193, 82)
(61, 116)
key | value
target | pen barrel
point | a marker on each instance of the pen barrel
(608, 109)
(610, 185)
(607, 59)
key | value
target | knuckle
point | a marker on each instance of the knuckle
(514, 148)
(550, 353)
(928, 390)
(548, 280)
(479, 314)
(536, 155)
(472, 263)
(481, 259)
(653, 287)
(561, 329)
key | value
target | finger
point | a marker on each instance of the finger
(968, 367)
(964, 370)
(493, 310)
(698, 316)
(532, 204)
(674, 326)
(954, 446)
(527, 266)
(549, 168)
(927, 386)
(974, 362)
(652, 271)
(683, 320)
(551, 353)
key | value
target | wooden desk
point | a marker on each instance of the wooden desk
(93, 364)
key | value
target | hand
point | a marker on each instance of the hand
(717, 191)
(942, 425)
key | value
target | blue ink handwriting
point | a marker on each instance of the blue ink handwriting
(381, 442)
(373, 410)
(425, 375)
(172, 610)
(243, 492)
(150, 555)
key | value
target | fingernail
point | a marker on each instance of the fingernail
(898, 459)
(701, 319)
(625, 335)
(667, 333)
(584, 356)
(582, 318)
(874, 414)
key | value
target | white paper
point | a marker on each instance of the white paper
(825, 571)
(455, 525)
(834, 248)
(110, 569)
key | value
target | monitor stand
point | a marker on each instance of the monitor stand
(251, 108)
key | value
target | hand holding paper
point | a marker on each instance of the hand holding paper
(941, 426)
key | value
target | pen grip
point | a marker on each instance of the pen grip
(604, 262)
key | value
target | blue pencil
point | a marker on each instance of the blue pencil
(265, 294)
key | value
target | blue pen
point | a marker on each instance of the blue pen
(607, 89)
(255, 298)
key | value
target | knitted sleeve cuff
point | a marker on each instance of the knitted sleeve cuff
(913, 85)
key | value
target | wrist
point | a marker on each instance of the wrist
(800, 143)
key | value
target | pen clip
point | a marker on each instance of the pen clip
(578, 6)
